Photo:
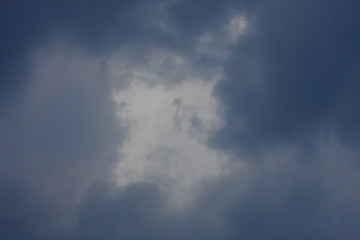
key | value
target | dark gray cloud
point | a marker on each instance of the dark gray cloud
(293, 77)
(135, 212)
(271, 203)
(64, 135)
(19, 217)
(290, 82)
(95, 26)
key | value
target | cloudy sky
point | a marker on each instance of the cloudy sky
(179, 119)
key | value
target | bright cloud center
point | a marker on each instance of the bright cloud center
(168, 132)
(170, 112)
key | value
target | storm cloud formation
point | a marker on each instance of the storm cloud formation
(293, 76)
(286, 81)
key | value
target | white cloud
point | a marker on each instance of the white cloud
(170, 111)
(217, 44)
(169, 126)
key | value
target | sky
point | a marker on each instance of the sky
(179, 119)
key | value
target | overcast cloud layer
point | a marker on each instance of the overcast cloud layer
(179, 119)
